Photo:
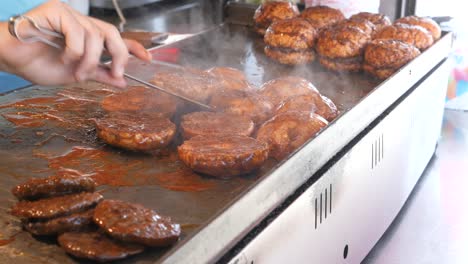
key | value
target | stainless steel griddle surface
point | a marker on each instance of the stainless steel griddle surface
(54, 132)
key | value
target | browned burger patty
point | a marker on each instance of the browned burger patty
(223, 156)
(56, 206)
(425, 22)
(363, 25)
(313, 103)
(69, 223)
(96, 246)
(192, 83)
(342, 42)
(280, 89)
(136, 132)
(53, 186)
(379, 20)
(384, 57)
(215, 124)
(231, 78)
(287, 131)
(250, 104)
(272, 11)
(322, 16)
(140, 99)
(414, 35)
(134, 223)
(290, 41)
(340, 48)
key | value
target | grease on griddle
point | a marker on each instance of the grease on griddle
(106, 169)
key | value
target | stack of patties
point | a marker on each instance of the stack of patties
(425, 22)
(322, 17)
(290, 41)
(383, 57)
(340, 48)
(270, 12)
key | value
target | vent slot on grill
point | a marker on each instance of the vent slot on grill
(323, 205)
(377, 153)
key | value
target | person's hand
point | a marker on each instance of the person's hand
(84, 42)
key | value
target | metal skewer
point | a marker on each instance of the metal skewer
(13, 28)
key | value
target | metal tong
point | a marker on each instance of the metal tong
(13, 29)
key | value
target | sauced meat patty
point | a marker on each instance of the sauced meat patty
(340, 48)
(272, 11)
(74, 222)
(56, 206)
(231, 78)
(287, 131)
(136, 132)
(280, 89)
(138, 99)
(364, 25)
(215, 124)
(384, 57)
(53, 186)
(134, 223)
(425, 22)
(411, 34)
(223, 156)
(96, 246)
(379, 20)
(249, 104)
(322, 16)
(290, 38)
(195, 84)
(313, 103)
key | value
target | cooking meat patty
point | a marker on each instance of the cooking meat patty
(379, 20)
(96, 246)
(249, 104)
(53, 186)
(411, 34)
(56, 206)
(215, 124)
(223, 156)
(69, 223)
(290, 41)
(136, 132)
(192, 83)
(138, 99)
(425, 22)
(272, 11)
(313, 103)
(363, 25)
(383, 57)
(231, 78)
(280, 89)
(288, 131)
(134, 223)
(341, 48)
(322, 16)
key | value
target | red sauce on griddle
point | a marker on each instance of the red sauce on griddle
(38, 102)
(4, 242)
(99, 165)
(183, 180)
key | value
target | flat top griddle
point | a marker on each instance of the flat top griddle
(63, 138)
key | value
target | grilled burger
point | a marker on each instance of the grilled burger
(379, 20)
(322, 16)
(290, 41)
(383, 57)
(425, 22)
